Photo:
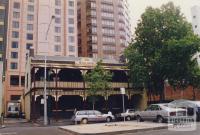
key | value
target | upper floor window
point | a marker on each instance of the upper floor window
(30, 17)
(13, 65)
(14, 55)
(15, 34)
(14, 80)
(29, 26)
(57, 2)
(29, 36)
(14, 44)
(71, 20)
(71, 29)
(71, 11)
(16, 5)
(57, 20)
(15, 24)
(57, 39)
(71, 3)
(16, 15)
(57, 11)
(30, 8)
(28, 46)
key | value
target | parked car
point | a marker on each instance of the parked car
(86, 116)
(13, 109)
(159, 112)
(128, 115)
(197, 109)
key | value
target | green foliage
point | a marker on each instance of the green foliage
(162, 49)
(98, 80)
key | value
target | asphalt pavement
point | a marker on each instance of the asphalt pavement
(167, 132)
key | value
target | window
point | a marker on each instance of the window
(57, 39)
(14, 80)
(57, 20)
(14, 55)
(71, 39)
(30, 17)
(15, 34)
(195, 26)
(22, 80)
(71, 29)
(29, 36)
(16, 15)
(71, 48)
(71, 11)
(14, 44)
(57, 11)
(15, 97)
(57, 48)
(71, 20)
(31, 8)
(13, 65)
(29, 26)
(71, 3)
(57, 2)
(30, 0)
(1, 46)
(16, 5)
(15, 24)
(28, 46)
(57, 29)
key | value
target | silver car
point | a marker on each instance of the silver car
(159, 112)
(86, 116)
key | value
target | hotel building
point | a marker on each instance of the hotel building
(104, 29)
(47, 26)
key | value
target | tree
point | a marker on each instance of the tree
(98, 80)
(162, 49)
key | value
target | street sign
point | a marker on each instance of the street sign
(122, 90)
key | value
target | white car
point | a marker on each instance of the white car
(128, 115)
(197, 109)
(159, 112)
(86, 116)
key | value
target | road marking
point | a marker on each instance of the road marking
(11, 133)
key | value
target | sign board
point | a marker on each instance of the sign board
(42, 101)
(122, 90)
(85, 62)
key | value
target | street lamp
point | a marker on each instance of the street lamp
(45, 77)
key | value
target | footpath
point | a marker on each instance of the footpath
(112, 128)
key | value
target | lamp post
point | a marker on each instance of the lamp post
(45, 77)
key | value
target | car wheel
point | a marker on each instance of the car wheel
(84, 121)
(160, 119)
(138, 118)
(128, 118)
(108, 119)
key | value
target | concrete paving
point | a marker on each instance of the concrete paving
(112, 128)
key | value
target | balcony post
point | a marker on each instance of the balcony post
(56, 106)
(83, 72)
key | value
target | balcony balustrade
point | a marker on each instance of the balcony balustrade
(74, 85)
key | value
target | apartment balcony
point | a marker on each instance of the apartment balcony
(72, 85)
(108, 2)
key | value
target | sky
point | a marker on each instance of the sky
(137, 7)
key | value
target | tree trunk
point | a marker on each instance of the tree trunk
(162, 91)
(93, 104)
(194, 94)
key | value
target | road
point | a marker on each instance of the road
(167, 132)
(32, 131)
